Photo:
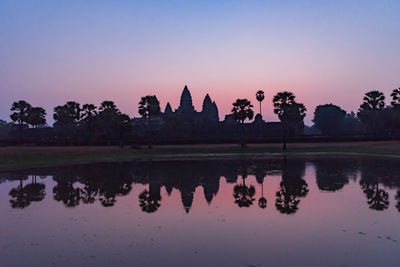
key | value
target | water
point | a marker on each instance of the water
(295, 211)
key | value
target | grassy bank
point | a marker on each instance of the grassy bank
(30, 157)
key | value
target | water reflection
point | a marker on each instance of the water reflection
(106, 183)
(22, 196)
(292, 188)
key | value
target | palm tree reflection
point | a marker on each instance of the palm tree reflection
(243, 194)
(292, 187)
(377, 198)
(22, 196)
(150, 200)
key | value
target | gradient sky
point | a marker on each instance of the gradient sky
(88, 51)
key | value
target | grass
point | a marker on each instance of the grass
(31, 156)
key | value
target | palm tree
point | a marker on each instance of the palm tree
(20, 111)
(36, 116)
(395, 97)
(260, 97)
(90, 119)
(108, 113)
(66, 119)
(373, 102)
(122, 125)
(290, 113)
(242, 110)
(149, 106)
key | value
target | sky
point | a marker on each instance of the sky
(88, 51)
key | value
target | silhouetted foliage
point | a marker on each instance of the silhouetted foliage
(373, 102)
(328, 119)
(108, 114)
(290, 113)
(19, 114)
(242, 110)
(260, 97)
(122, 125)
(66, 120)
(90, 120)
(22, 196)
(292, 187)
(36, 116)
(149, 107)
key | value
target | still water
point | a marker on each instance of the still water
(294, 211)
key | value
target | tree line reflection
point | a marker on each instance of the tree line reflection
(105, 183)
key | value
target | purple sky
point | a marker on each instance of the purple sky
(88, 51)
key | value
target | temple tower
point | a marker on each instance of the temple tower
(186, 105)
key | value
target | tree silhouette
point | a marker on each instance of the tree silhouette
(260, 97)
(150, 200)
(66, 119)
(243, 194)
(90, 120)
(149, 106)
(328, 118)
(242, 110)
(65, 192)
(36, 116)
(262, 201)
(377, 198)
(122, 125)
(290, 113)
(20, 197)
(292, 187)
(36, 191)
(373, 102)
(395, 98)
(19, 114)
(108, 113)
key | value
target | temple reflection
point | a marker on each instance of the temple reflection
(106, 183)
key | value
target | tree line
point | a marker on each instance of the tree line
(88, 121)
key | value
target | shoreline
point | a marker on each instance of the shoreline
(25, 158)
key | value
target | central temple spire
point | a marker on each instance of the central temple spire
(186, 104)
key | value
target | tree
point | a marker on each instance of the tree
(328, 118)
(122, 126)
(395, 110)
(260, 97)
(149, 106)
(290, 113)
(90, 120)
(108, 113)
(36, 116)
(66, 119)
(395, 98)
(242, 110)
(373, 102)
(19, 114)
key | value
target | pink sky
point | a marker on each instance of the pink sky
(323, 52)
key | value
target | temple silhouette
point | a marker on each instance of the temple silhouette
(188, 123)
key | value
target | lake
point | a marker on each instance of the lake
(282, 211)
